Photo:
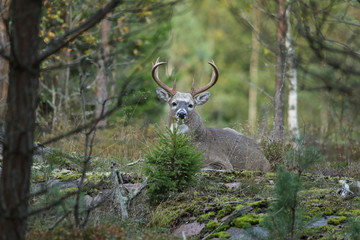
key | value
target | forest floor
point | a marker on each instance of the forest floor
(221, 205)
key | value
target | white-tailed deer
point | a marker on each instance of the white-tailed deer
(223, 148)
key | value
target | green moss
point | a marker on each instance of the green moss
(337, 220)
(329, 211)
(69, 190)
(212, 225)
(97, 177)
(220, 235)
(167, 213)
(312, 212)
(66, 175)
(225, 211)
(239, 206)
(259, 204)
(246, 220)
(205, 217)
(223, 228)
(229, 179)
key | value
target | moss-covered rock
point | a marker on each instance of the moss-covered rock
(220, 235)
(65, 175)
(246, 220)
(205, 217)
(337, 220)
(225, 211)
(212, 225)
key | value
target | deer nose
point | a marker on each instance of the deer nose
(181, 114)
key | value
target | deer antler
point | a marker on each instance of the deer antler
(214, 78)
(155, 76)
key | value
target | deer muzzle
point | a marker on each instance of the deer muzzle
(181, 114)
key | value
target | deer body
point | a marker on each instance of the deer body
(223, 148)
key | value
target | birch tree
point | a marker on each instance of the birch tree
(292, 76)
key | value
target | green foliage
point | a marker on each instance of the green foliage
(171, 165)
(283, 218)
(302, 157)
(355, 228)
(274, 152)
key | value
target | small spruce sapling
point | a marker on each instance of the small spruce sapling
(171, 165)
(285, 218)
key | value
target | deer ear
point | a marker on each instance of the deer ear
(202, 98)
(163, 95)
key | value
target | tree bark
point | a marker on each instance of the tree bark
(24, 72)
(4, 64)
(102, 75)
(254, 69)
(279, 100)
(20, 118)
(292, 76)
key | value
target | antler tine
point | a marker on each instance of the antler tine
(155, 76)
(214, 78)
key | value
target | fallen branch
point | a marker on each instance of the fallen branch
(122, 195)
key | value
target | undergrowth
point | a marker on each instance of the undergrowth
(171, 165)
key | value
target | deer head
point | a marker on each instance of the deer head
(182, 105)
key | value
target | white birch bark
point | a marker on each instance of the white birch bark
(292, 76)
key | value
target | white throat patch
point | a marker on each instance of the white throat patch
(183, 128)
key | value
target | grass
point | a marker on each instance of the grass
(122, 144)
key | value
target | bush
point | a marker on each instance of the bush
(171, 165)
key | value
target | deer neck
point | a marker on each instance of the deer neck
(193, 124)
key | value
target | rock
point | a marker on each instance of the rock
(355, 187)
(233, 185)
(247, 234)
(189, 229)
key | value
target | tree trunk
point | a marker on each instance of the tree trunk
(102, 76)
(4, 65)
(67, 72)
(279, 99)
(292, 75)
(20, 118)
(254, 69)
(22, 99)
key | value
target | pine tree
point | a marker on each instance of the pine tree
(285, 216)
(171, 165)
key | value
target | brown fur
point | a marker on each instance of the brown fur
(225, 148)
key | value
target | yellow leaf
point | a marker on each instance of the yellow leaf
(51, 34)
(266, 51)
(136, 52)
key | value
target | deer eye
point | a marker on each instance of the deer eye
(174, 104)
(191, 106)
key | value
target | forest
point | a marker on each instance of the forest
(85, 146)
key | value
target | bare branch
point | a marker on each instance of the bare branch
(61, 41)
